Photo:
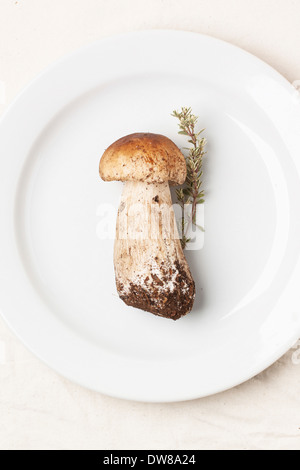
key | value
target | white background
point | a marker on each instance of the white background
(38, 408)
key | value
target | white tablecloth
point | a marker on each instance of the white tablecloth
(38, 408)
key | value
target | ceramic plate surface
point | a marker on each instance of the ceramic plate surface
(57, 288)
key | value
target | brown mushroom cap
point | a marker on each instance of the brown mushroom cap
(152, 158)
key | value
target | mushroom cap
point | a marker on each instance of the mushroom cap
(152, 158)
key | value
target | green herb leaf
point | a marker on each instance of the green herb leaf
(191, 192)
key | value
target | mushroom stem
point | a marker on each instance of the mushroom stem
(151, 271)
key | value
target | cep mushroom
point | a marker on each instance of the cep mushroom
(151, 271)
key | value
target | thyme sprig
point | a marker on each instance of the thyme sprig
(191, 192)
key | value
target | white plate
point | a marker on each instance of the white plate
(56, 274)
